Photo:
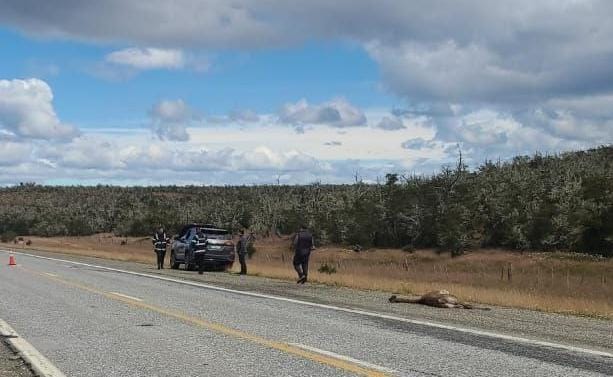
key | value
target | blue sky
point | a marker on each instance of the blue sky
(208, 92)
(261, 80)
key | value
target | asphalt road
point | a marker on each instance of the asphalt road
(95, 322)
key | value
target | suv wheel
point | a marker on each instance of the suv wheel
(188, 265)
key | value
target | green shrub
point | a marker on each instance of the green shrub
(8, 236)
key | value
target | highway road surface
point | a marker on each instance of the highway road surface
(92, 321)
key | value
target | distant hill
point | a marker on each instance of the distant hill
(544, 202)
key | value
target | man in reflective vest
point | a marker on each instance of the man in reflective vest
(160, 241)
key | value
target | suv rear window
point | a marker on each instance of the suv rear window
(216, 234)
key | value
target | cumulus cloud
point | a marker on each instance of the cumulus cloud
(12, 153)
(336, 113)
(391, 124)
(148, 58)
(88, 153)
(26, 111)
(490, 133)
(170, 119)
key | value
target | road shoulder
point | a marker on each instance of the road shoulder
(31, 358)
(11, 365)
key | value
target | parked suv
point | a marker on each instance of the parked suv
(217, 247)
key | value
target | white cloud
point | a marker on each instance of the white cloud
(391, 124)
(125, 64)
(492, 134)
(336, 113)
(170, 119)
(229, 153)
(148, 58)
(12, 153)
(89, 153)
(26, 111)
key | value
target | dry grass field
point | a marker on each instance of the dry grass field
(554, 282)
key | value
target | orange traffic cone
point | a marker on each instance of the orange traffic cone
(12, 260)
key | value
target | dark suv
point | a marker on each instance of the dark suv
(217, 247)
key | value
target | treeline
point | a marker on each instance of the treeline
(553, 202)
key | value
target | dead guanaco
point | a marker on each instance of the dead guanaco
(439, 299)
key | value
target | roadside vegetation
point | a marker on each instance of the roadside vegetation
(545, 203)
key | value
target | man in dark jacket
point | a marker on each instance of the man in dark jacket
(241, 250)
(199, 243)
(160, 241)
(303, 245)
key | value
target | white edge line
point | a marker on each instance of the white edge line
(38, 363)
(50, 274)
(345, 358)
(341, 309)
(126, 296)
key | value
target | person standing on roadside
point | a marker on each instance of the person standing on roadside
(241, 250)
(199, 243)
(303, 245)
(160, 241)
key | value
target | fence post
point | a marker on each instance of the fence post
(509, 273)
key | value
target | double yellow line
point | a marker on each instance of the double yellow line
(219, 328)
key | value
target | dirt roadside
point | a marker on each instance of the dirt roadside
(596, 334)
(10, 364)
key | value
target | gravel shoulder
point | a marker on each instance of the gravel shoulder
(10, 364)
(596, 334)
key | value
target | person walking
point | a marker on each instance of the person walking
(160, 241)
(303, 245)
(241, 250)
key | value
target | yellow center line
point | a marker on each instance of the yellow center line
(217, 327)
